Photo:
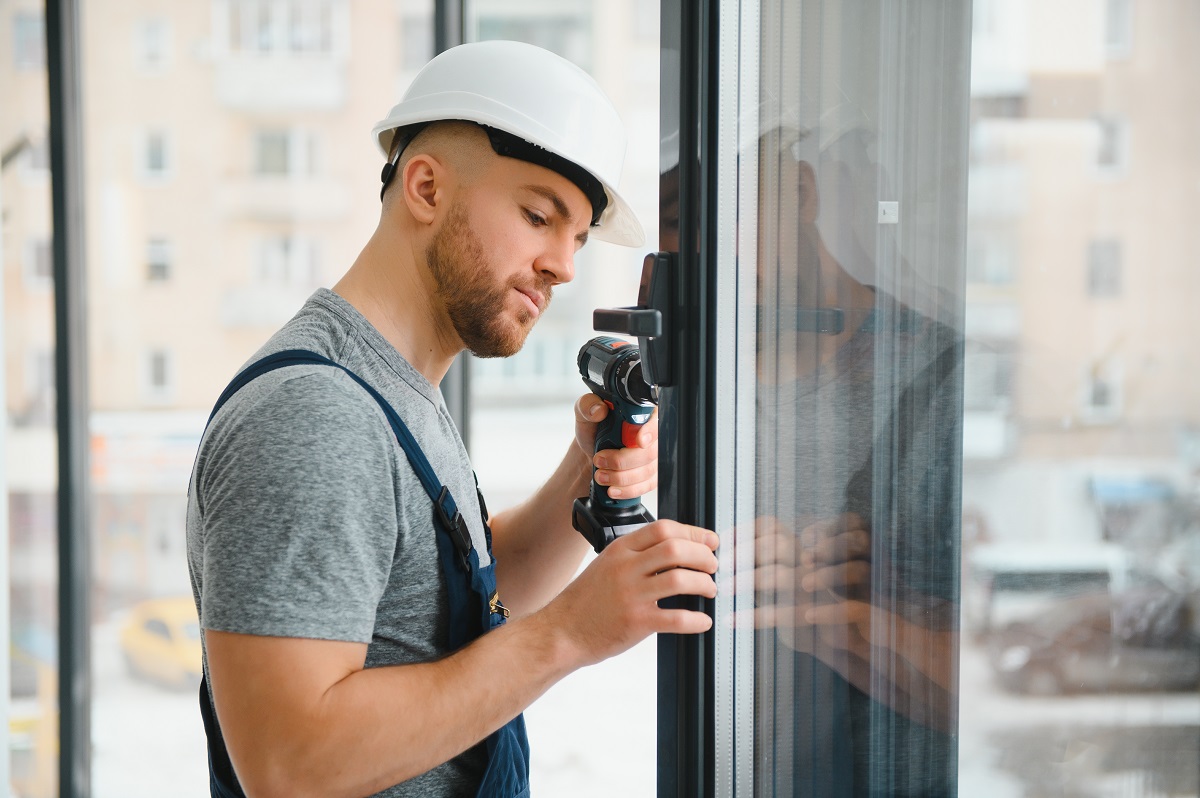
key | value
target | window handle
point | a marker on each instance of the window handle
(648, 319)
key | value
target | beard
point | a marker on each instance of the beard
(476, 304)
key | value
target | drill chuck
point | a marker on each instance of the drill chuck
(612, 369)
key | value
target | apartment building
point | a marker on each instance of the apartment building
(1081, 416)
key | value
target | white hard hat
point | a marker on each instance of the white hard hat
(537, 97)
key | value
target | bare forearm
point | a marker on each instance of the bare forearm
(302, 717)
(381, 726)
(537, 549)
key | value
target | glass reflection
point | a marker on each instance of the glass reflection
(856, 539)
(858, 437)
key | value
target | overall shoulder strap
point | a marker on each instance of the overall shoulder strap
(447, 509)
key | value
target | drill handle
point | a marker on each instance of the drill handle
(615, 431)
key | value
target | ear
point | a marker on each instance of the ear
(423, 187)
(810, 200)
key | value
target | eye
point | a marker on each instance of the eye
(535, 218)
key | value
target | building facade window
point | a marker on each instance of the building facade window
(282, 26)
(991, 258)
(39, 264)
(155, 155)
(565, 27)
(39, 387)
(1112, 145)
(1118, 28)
(37, 158)
(988, 371)
(1104, 268)
(284, 153)
(287, 261)
(159, 256)
(1103, 393)
(152, 44)
(416, 32)
(29, 41)
(158, 376)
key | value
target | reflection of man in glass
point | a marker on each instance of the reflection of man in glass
(858, 473)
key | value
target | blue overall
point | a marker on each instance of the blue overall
(474, 605)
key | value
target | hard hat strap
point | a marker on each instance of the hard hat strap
(401, 138)
(509, 145)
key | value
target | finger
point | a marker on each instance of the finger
(590, 408)
(634, 490)
(855, 572)
(682, 622)
(647, 437)
(682, 582)
(666, 529)
(677, 553)
(625, 459)
(623, 477)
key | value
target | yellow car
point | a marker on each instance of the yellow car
(161, 642)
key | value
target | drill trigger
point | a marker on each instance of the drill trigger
(629, 434)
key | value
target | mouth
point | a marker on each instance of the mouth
(534, 301)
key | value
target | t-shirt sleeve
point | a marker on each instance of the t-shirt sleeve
(298, 509)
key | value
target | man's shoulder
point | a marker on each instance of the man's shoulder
(316, 327)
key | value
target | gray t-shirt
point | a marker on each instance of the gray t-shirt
(305, 518)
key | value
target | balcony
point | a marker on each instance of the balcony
(280, 82)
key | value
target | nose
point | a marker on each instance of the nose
(557, 261)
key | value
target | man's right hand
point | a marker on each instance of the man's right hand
(613, 604)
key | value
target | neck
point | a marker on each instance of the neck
(390, 285)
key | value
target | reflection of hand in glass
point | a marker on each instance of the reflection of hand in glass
(818, 589)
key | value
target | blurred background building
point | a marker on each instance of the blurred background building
(1081, 406)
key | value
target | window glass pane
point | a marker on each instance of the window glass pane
(1081, 548)
(1079, 655)
(522, 417)
(28, 441)
(856, 198)
(197, 252)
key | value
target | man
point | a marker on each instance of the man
(339, 592)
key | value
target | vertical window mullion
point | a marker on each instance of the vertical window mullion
(74, 576)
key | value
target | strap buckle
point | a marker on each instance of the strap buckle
(453, 522)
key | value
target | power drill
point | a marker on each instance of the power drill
(612, 369)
